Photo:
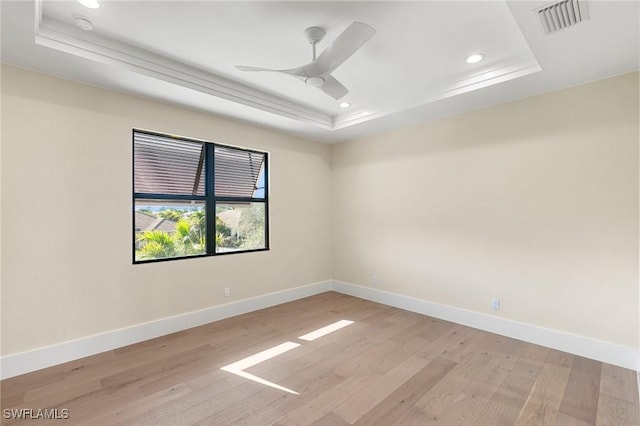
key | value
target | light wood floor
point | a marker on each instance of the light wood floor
(390, 367)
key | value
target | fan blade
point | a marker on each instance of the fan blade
(245, 68)
(299, 72)
(345, 45)
(333, 87)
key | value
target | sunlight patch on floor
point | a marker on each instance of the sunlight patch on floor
(310, 337)
(238, 367)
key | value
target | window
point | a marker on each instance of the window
(194, 198)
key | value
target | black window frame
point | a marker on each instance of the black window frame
(209, 198)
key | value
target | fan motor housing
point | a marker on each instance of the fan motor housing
(314, 34)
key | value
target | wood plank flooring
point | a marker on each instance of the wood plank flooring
(390, 367)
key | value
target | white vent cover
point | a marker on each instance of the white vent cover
(563, 14)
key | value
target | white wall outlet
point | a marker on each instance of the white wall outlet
(495, 303)
(374, 279)
(227, 292)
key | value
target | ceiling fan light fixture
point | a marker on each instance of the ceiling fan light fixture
(315, 81)
(91, 4)
(475, 58)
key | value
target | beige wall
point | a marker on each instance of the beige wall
(534, 202)
(66, 200)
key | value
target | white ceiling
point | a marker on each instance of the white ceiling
(412, 70)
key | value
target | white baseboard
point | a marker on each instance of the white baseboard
(599, 350)
(24, 362)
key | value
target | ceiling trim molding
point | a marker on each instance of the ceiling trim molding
(66, 38)
(520, 68)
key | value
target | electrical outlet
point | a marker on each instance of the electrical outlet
(495, 303)
(374, 279)
(227, 292)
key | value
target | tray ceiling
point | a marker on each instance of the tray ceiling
(413, 69)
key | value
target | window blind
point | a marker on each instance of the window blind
(167, 166)
(238, 173)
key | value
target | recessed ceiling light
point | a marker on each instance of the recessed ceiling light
(345, 105)
(84, 24)
(475, 58)
(91, 4)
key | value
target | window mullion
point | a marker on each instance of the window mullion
(149, 196)
(210, 188)
(240, 200)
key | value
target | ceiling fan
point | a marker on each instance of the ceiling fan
(317, 73)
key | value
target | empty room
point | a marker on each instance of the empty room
(320, 212)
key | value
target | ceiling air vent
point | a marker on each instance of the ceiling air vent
(563, 14)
